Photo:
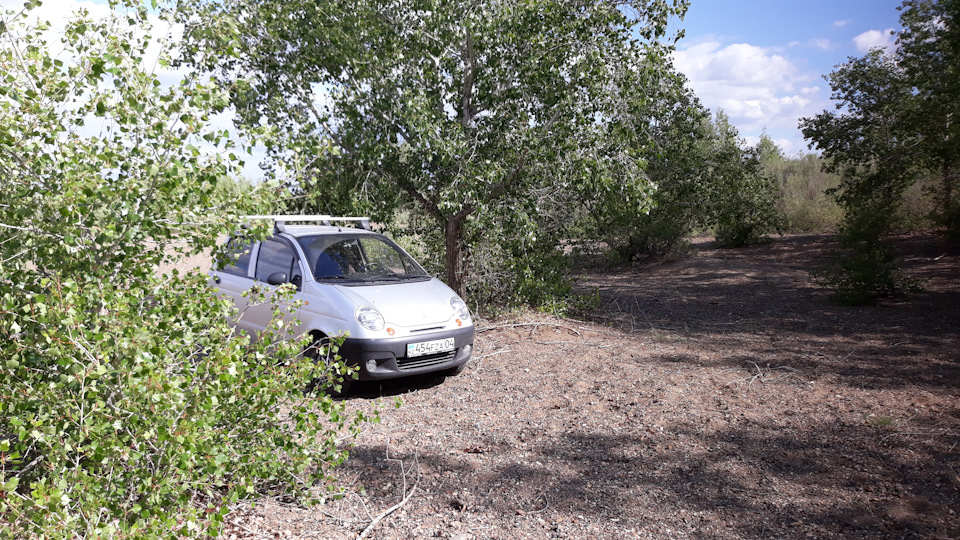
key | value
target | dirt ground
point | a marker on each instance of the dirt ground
(715, 396)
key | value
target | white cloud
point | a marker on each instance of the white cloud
(840, 24)
(822, 44)
(755, 87)
(874, 38)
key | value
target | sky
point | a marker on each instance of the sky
(763, 61)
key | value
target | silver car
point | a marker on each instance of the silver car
(396, 318)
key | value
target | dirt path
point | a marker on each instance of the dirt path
(718, 396)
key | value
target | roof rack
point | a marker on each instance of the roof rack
(280, 221)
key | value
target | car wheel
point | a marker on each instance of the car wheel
(319, 352)
(453, 372)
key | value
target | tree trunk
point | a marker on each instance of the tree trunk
(947, 190)
(456, 269)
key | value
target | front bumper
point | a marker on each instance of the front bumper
(387, 358)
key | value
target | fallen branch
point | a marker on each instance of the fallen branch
(918, 434)
(763, 375)
(579, 344)
(518, 325)
(394, 508)
(387, 512)
(497, 353)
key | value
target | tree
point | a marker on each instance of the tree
(466, 110)
(127, 406)
(676, 162)
(928, 50)
(865, 144)
(895, 120)
(741, 197)
(704, 177)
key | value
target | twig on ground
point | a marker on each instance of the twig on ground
(386, 513)
(546, 503)
(600, 345)
(406, 498)
(762, 376)
(918, 434)
(519, 325)
(481, 357)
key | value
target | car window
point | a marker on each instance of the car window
(381, 253)
(358, 257)
(276, 256)
(240, 250)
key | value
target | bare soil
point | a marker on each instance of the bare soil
(716, 396)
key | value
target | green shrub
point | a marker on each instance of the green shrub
(865, 267)
(803, 193)
(127, 406)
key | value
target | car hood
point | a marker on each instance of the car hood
(405, 305)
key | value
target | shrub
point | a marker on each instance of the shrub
(865, 268)
(127, 406)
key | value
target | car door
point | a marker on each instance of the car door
(235, 276)
(273, 255)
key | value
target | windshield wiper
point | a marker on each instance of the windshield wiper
(339, 277)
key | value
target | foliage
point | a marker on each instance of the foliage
(897, 125)
(803, 187)
(741, 196)
(866, 268)
(928, 51)
(681, 133)
(704, 179)
(466, 112)
(893, 123)
(127, 407)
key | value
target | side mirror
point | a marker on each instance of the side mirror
(277, 278)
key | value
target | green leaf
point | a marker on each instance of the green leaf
(11, 484)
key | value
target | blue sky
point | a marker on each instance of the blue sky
(763, 62)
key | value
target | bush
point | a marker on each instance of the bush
(127, 406)
(803, 192)
(146, 419)
(512, 261)
(865, 268)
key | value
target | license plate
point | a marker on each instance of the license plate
(430, 347)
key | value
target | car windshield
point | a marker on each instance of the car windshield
(358, 258)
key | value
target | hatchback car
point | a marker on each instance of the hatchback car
(396, 319)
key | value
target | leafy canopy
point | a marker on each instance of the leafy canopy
(474, 114)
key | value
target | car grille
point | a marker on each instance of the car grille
(417, 362)
(428, 329)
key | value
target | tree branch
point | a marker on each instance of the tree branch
(466, 107)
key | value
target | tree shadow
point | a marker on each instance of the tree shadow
(729, 298)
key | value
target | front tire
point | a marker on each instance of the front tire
(321, 352)
(454, 371)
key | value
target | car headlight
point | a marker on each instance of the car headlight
(370, 318)
(459, 308)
